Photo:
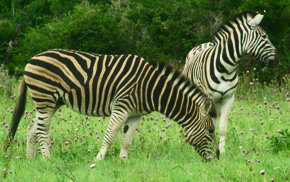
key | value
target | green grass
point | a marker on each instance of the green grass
(152, 158)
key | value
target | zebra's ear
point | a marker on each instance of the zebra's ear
(254, 22)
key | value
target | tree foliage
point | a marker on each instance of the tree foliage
(154, 29)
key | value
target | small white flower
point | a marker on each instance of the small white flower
(93, 166)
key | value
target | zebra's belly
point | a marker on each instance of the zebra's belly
(86, 107)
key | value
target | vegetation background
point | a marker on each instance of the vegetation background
(154, 29)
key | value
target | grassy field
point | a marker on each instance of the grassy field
(257, 142)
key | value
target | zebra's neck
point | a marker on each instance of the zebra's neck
(230, 44)
(175, 96)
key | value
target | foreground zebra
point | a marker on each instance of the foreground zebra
(125, 87)
(213, 66)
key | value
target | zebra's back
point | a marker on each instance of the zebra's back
(87, 83)
(196, 50)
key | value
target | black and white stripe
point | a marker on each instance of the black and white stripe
(213, 66)
(122, 86)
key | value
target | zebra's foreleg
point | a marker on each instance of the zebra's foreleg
(115, 123)
(31, 138)
(225, 109)
(215, 120)
(128, 134)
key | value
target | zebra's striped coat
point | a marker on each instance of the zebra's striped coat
(122, 86)
(213, 66)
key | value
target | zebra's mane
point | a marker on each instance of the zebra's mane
(177, 77)
(234, 20)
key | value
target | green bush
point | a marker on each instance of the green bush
(152, 29)
(7, 83)
(282, 141)
(7, 30)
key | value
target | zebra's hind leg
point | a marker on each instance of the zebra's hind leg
(42, 132)
(115, 123)
(31, 138)
(128, 134)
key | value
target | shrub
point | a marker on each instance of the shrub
(7, 83)
(152, 29)
(282, 141)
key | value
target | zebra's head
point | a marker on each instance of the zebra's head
(202, 137)
(258, 43)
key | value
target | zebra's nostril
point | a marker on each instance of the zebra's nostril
(273, 62)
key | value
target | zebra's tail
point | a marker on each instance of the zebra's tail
(17, 114)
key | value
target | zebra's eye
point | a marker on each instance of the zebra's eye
(210, 130)
(264, 36)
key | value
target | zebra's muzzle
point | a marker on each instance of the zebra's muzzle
(273, 62)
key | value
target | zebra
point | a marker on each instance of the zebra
(213, 65)
(125, 87)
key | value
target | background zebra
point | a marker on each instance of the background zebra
(125, 87)
(213, 66)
